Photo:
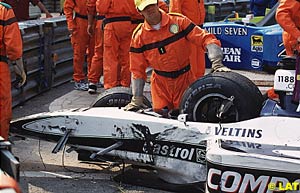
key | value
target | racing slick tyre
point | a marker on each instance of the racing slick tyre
(238, 96)
(116, 97)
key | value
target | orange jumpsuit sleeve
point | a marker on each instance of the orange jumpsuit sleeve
(202, 38)
(12, 37)
(91, 7)
(103, 6)
(69, 6)
(284, 13)
(199, 36)
(138, 63)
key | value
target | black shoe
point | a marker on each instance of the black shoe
(92, 88)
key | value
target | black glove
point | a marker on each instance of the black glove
(20, 72)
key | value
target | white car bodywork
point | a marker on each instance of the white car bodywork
(177, 149)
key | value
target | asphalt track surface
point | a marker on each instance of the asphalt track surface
(42, 171)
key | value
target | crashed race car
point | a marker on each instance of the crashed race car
(249, 43)
(223, 134)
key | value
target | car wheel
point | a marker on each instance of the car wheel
(205, 98)
(116, 97)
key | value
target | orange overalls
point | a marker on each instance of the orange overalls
(81, 41)
(195, 11)
(167, 51)
(96, 69)
(11, 47)
(288, 17)
(117, 36)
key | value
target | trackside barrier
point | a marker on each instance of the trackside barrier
(58, 50)
(47, 56)
(33, 58)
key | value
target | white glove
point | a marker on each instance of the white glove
(138, 98)
(19, 70)
(215, 55)
(221, 69)
(135, 104)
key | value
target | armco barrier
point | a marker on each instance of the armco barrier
(58, 50)
(47, 56)
(33, 58)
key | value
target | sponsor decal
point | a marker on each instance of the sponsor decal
(288, 79)
(180, 151)
(256, 43)
(238, 132)
(284, 80)
(245, 144)
(200, 155)
(214, 30)
(235, 31)
(243, 182)
(112, 102)
(147, 143)
(255, 63)
(230, 31)
(232, 54)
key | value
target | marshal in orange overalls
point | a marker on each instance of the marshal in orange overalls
(96, 69)
(81, 41)
(167, 51)
(117, 35)
(288, 17)
(11, 47)
(195, 11)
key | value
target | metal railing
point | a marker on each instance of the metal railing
(47, 56)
